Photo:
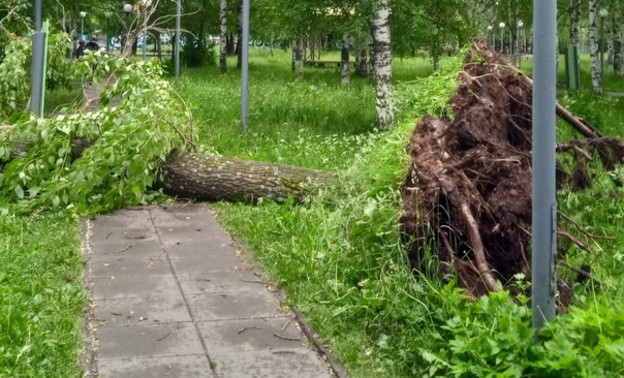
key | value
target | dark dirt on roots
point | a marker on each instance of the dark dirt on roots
(467, 194)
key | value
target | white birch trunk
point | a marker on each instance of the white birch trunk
(617, 41)
(344, 59)
(593, 48)
(301, 61)
(223, 36)
(612, 29)
(382, 65)
(576, 12)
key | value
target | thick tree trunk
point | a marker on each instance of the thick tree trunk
(212, 178)
(593, 47)
(223, 36)
(382, 65)
(344, 59)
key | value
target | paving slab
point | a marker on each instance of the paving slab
(173, 297)
(153, 367)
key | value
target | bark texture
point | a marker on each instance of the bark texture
(212, 178)
(223, 36)
(594, 48)
(617, 41)
(361, 64)
(345, 77)
(382, 65)
(576, 12)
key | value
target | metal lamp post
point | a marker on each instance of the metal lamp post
(502, 31)
(489, 33)
(37, 82)
(127, 8)
(245, 67)
(108, 15)
(603, 13)
(146, 4)
(82, 16)
(176, 57)
(544, 206)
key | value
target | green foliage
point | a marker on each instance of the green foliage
(197, 52)
(16, 66)
(128, 140)
(40, 296)
(15, 77)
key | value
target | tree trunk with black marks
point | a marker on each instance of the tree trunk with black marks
(239, 43)
(576, 12)
(617, 42)
(593, 48)
(344, 60)
(223, 36)
(382, 65)
(212, 178)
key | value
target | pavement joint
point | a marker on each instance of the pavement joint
(184, 300)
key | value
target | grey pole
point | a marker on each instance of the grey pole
(245, 68)
(176, 56)
(544, 248)
(144, 32)
(37, 65)
(37, 15)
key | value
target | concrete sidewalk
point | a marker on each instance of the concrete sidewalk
(172, 298)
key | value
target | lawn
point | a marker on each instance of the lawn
(40, 296)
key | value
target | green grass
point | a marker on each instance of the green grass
(339, 257)
(60, 98)
(315, 123)
(41, 297)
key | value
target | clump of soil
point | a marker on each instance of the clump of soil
(467, 194)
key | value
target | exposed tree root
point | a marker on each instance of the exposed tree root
(467, 194)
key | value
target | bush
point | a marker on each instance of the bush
(198, 52)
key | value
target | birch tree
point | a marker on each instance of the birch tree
(617, 40)
(223, 36)
(576, 12)
(344, 56)
(345, 76)
(382, 65)
(593, 48)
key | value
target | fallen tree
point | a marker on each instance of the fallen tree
(133, 134)
(467, 194)
(213, 178)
